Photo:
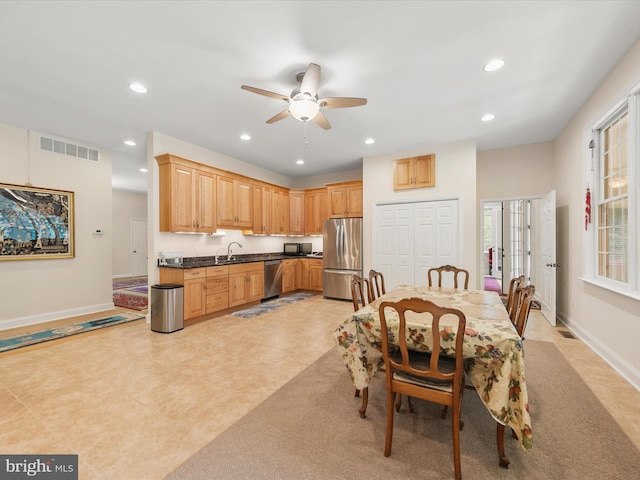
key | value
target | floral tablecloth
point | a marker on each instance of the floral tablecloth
(492, 349)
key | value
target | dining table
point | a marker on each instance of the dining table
(492, 349)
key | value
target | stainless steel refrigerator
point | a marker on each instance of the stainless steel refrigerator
(341, 256)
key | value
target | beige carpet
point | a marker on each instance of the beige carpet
(310, 429)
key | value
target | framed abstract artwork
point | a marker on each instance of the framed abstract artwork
(35, 223)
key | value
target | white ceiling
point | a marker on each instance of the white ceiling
(65, 68)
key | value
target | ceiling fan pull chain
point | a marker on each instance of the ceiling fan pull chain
(306, 140)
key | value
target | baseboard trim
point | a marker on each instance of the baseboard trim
(619, 364)
(52, 316)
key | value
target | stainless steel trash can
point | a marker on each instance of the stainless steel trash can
(167, 308)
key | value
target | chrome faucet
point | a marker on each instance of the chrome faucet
(229, 255)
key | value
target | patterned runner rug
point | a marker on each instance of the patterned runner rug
(267, 307)
(65, 331)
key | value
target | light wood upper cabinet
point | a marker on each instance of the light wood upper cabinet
(345, 199)
(234, 206)
(280, 211)
(187, 196)
(296, 212)
(262, 198)
(316, 202)
(416, 172)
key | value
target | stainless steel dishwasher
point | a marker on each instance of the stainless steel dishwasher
(272, 278)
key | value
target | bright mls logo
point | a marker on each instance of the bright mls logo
(47, 467)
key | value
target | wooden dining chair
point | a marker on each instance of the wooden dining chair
(514, 284)
(527, 296)
(457, 272)
(435, 378)
(360, 292)
(376, 282)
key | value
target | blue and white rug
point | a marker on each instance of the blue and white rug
(271, 305)
(65, 331)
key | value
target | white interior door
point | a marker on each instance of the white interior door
(410, 238)
(138, 248)
(547, 291)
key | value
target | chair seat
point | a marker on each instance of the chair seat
(420, 361)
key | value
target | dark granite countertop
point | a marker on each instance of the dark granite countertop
(199, 262)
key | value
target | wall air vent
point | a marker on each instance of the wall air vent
(66, 148)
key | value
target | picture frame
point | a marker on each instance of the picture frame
(36, 223)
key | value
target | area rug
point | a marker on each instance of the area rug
(492, 285)
(128, 282)
(131, 298)
(311, 429)
(272, 305)
(65, 331)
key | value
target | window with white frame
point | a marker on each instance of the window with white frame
(614, 166)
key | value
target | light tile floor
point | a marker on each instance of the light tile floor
(136, 404)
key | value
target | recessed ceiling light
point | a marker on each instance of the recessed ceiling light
(300, 162)
(244, 136)
(138, 88)
(144, 170)
(131, 143)
(369, 141)
(488, 117)
(493, 65)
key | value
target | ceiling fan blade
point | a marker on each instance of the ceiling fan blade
(321, 121)
(342, 102)
(280, 116)
(266, 93)
(311, 80)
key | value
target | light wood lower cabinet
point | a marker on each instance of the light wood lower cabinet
(246, 283)
(195, 297)
(217, 288)
(301, 274)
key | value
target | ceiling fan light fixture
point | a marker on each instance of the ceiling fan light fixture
(304, 109)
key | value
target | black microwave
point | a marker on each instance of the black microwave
(299, 249)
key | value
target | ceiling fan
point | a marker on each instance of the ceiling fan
(304, 104)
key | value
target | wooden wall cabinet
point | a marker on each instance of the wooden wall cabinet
(234, 205)
(262, 199)
(316, 210)
(280, 211)
(246, 283)
(416, 172)
(296, 212)
(345, 199)
(187, 196)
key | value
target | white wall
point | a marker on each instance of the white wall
(127, 206)
(608, 322)
(455, 178)
(33, 291)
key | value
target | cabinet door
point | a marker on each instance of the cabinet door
(302, 274)
(296, 216)
(288, 275)
(243, 193)
(354, 201)
(195, 301)
(402, 174)
(337, 203)
(424, 171)
(255, 285)
(206, 202)
(237, 289)
(182, 199)
(261, 209)
(316, 211)
(315, 276)
(224, 207)
(280, 212)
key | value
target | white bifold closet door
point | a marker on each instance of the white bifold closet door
(410, 238)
